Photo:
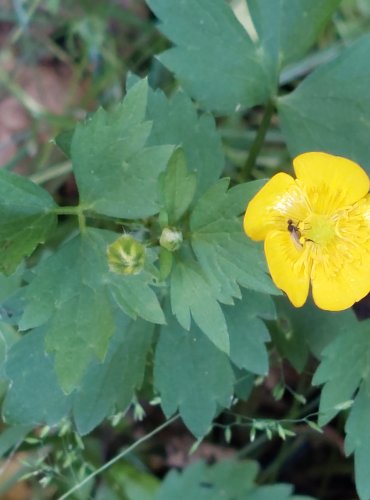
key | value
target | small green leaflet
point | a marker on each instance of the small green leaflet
(344, 369)
(110, 386)
(213, 56)
(309, 328)
(228, 258)
(10, 284)
(11, 437)
(75, 295)
(27, 219)
(191, 374)
(225, 480)
(288, 28)
(192, 296)
(177, 187)
(116, 173)
(248, 334)
(176, 121)
(358, 438)
(289, 338)
(35, 397)
(330, 110)
(345, 363)
(128, 481)
(64, 140)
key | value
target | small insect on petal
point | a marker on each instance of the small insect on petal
(294, 234)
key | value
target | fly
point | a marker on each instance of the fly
(295, 234)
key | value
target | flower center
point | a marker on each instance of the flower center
(318, 228)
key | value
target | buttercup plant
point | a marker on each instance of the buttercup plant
(316, 230)
(143, 289)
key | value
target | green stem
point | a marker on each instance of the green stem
(83, 213)
(78, 211)
(51, 173)
(68, 210)
(115, 459)
(81, 222)
(259, 139)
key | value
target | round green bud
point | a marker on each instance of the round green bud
(126, 256)
(171, 239)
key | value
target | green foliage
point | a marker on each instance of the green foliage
(329, 111)
(111, 386)
(176, 121)
(189, 355)
(316, 328)
(177, 180)
(210, 61)
(357, 439)
(35, 396)
(227, 480)
(157, 292)
(192, 296)
(278, 22)
(224, 254)
(129, 482)
(345, 370)
(79, 307)
(117, 139)
(27, 219)
(248, 333)
(182, 354)
(340, 385)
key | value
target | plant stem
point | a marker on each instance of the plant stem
(259, 139)
(81, 222)
(68, 210)
(51, 173)
(115, 459)
(78, 211)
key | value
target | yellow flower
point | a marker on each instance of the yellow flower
(316, 229)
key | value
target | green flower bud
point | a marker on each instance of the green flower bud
(171, 239)
(126, 256)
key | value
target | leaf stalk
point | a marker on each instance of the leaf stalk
(259, 139)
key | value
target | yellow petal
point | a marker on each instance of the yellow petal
(340, 280)
(331, 182)
(288, 266)
(280, 199)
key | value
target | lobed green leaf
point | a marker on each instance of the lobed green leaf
(225, 480)
(191, 374)
(116, 174)
(358, 439)
(110, 386)
(330, 110)
(248, 333)
(177, 187)
(213, 56)
(288, 28)
(175, 120)
(345, 362)
(35, 397)
(192, 296)
(27, 219)
(78, 307)
(228, 258)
